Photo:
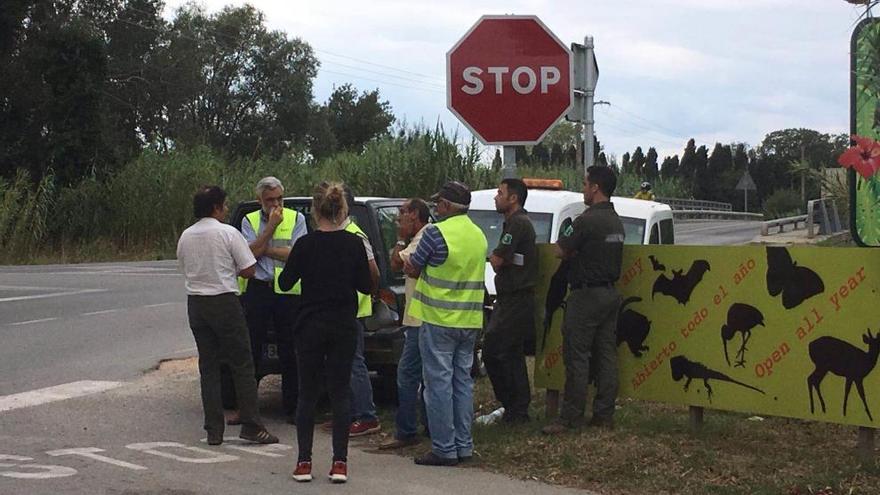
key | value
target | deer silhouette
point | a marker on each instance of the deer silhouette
(843, 359)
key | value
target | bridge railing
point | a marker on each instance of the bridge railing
(718, 214)
(821, 213)
(695, 204)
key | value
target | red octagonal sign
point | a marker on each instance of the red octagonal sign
(509, 79)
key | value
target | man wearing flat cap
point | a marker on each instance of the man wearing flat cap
(449, 264)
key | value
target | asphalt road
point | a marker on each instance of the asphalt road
(716, 232)
(102, 321)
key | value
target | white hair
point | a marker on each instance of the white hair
(267, 183)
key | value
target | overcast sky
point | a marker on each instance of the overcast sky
(714, 70)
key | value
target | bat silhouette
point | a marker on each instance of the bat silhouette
(682, 367)
(795, 283)
(556, 292)
(681, 285)
(658, 267)
(632, 327)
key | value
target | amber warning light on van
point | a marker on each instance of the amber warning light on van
(554, 184)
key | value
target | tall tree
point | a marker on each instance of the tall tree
(651, 171)
(669, 167)
(701, 162)
(357, 119)
(625, 166)
(637, 162)
(688, 166)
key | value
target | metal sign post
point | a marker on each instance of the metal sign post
(746, 184)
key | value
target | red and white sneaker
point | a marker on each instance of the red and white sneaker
(339, 472)
(303, 471)
(361, 428)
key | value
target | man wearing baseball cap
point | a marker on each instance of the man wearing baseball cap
(449, 263)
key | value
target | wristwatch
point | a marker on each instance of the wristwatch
(401, 243)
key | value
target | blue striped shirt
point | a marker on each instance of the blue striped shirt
(432, 249)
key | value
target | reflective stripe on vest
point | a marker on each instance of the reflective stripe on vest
(280, 238)
(365, 302)
(451, 295)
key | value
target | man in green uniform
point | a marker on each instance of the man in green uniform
(594, 246)
(515, 262)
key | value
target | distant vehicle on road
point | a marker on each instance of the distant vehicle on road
(377, 217)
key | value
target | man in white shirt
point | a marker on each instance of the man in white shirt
(211, 255)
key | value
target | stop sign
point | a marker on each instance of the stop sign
(509, 79)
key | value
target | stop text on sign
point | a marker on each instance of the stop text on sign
(524, 80)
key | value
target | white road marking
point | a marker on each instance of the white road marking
(54, 394)
(160, 304)
(270, 450)
(44, 471)
(52, 294)
(92, 453)
(104, 312)
(28, 322)
(211, 456)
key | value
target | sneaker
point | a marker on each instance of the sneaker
(554, 428)
(303, 471)
(361, 428)
(261, 436)
(432, 459)
(339, 472)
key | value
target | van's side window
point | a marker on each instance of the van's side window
(667, 232)
(655, 235)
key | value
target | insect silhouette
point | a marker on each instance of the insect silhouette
(632, 327)
(843, 359)
(556, 292)
(784, 276)
(741, 318)
(682, 367)
(681, 285)
(655, 263)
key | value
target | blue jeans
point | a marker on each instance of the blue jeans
(447, 357)
(409, 379)
(362, 407)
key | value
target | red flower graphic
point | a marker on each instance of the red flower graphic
(864, 157)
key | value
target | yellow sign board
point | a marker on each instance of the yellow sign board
(782, 331)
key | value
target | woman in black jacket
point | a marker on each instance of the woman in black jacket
(332, 265)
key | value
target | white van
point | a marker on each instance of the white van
(552, 209)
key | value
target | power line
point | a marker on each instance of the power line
(668, 131)
(432, 90)
(437, 86)
(636, 127)
(376, 64)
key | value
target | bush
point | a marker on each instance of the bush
(783, 203)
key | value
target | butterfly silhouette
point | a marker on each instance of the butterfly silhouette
(795, 283)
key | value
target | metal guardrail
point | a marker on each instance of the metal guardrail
(780, 223)
(695, 204)
(821, 213)
(719, 214)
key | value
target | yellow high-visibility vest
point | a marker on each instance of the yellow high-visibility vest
(280, 238)
(365, 302)
(451, 295)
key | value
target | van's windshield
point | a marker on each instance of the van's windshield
(492, 222)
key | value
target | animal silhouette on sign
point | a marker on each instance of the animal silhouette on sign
(682, 367)
(741, 318)
(681, 285)
(632, 327)
(656, 265)
(556, 291)
(833, 355)
(784, 276)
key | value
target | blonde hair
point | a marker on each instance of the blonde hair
(328, 202)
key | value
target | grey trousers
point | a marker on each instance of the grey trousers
(589, 330)
(221, 334)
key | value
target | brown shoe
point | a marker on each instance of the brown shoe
(606, 423)
(398, 443)
(232, 418)
(260, 436)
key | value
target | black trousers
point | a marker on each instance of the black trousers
(221, 335)
(512, 320)
(325, 348)
(263, 309)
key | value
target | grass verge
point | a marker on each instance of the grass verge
(652, 450)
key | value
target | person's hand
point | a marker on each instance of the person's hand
(276, 216)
